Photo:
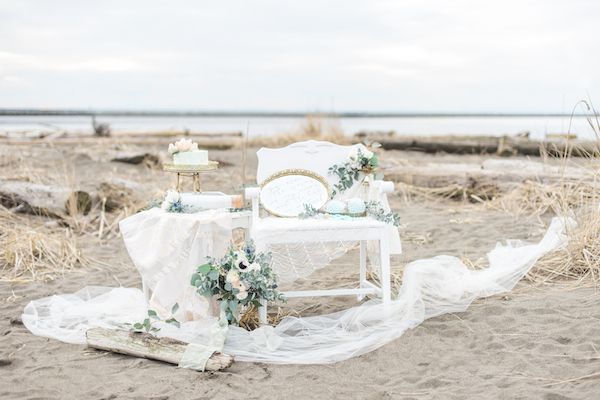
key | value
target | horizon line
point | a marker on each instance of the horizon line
(285, 114)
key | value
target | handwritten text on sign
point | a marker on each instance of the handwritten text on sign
(286, 196)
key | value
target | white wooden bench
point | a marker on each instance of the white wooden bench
(318, 157)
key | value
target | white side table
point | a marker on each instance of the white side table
(239, 220)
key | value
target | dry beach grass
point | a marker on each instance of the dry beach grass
(539, 341)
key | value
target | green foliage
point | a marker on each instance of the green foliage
(376, 211)
(309, 212)
(147, 324)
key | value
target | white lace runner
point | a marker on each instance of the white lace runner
(299, 260)
(430, 287)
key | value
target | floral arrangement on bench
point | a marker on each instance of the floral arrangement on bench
(361, 162)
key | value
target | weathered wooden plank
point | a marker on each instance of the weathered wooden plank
(145, 345)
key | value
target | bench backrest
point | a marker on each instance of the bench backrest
(313, 155)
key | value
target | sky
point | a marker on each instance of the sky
(366, 56)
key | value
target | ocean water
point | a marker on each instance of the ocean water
(537, 126)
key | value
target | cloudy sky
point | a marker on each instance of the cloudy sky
(406, 56)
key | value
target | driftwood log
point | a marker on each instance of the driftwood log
(35, 198)
(148, 159)
(485, 179)
(118, 193)
(505, 146)
(145, 345)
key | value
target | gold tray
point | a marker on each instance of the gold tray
(183, 168)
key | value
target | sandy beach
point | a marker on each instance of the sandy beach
(538, 341)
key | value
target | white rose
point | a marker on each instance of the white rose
(353, 152)
(186, 145)
(242, 295)
(172, 148)
(254, 266)
(232, 277)
(367, 153)
(172, 196)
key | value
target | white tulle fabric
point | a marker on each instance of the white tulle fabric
(430, 287)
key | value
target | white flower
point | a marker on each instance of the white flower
(363, 150)
(171, 198)
(182, 145)
(241, 261)
(367, 153)
(242, 295)
(254, 266)
(232, 277)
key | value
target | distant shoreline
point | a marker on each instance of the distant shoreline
(264, 114)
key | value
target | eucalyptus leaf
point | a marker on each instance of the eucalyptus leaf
(174, 322)
(214, 274)
(204, 269)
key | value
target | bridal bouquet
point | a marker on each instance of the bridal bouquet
(240, 279)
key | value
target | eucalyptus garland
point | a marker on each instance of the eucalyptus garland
(376, 211)
(349, 172)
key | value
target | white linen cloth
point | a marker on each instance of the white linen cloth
(430, 287)
(166, 249)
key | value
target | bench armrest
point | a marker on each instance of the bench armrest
(383, 186)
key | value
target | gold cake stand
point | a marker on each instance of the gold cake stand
(190, 170)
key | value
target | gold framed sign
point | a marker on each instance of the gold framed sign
(285, 193)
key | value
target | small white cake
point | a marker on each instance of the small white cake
(186, 152)
(196, 157)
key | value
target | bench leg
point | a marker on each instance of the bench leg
(363, 267)
(262, 312)
(384, 250)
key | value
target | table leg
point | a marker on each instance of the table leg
(177, 184)
(363, 267)
(385, 271)
(196, 182)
